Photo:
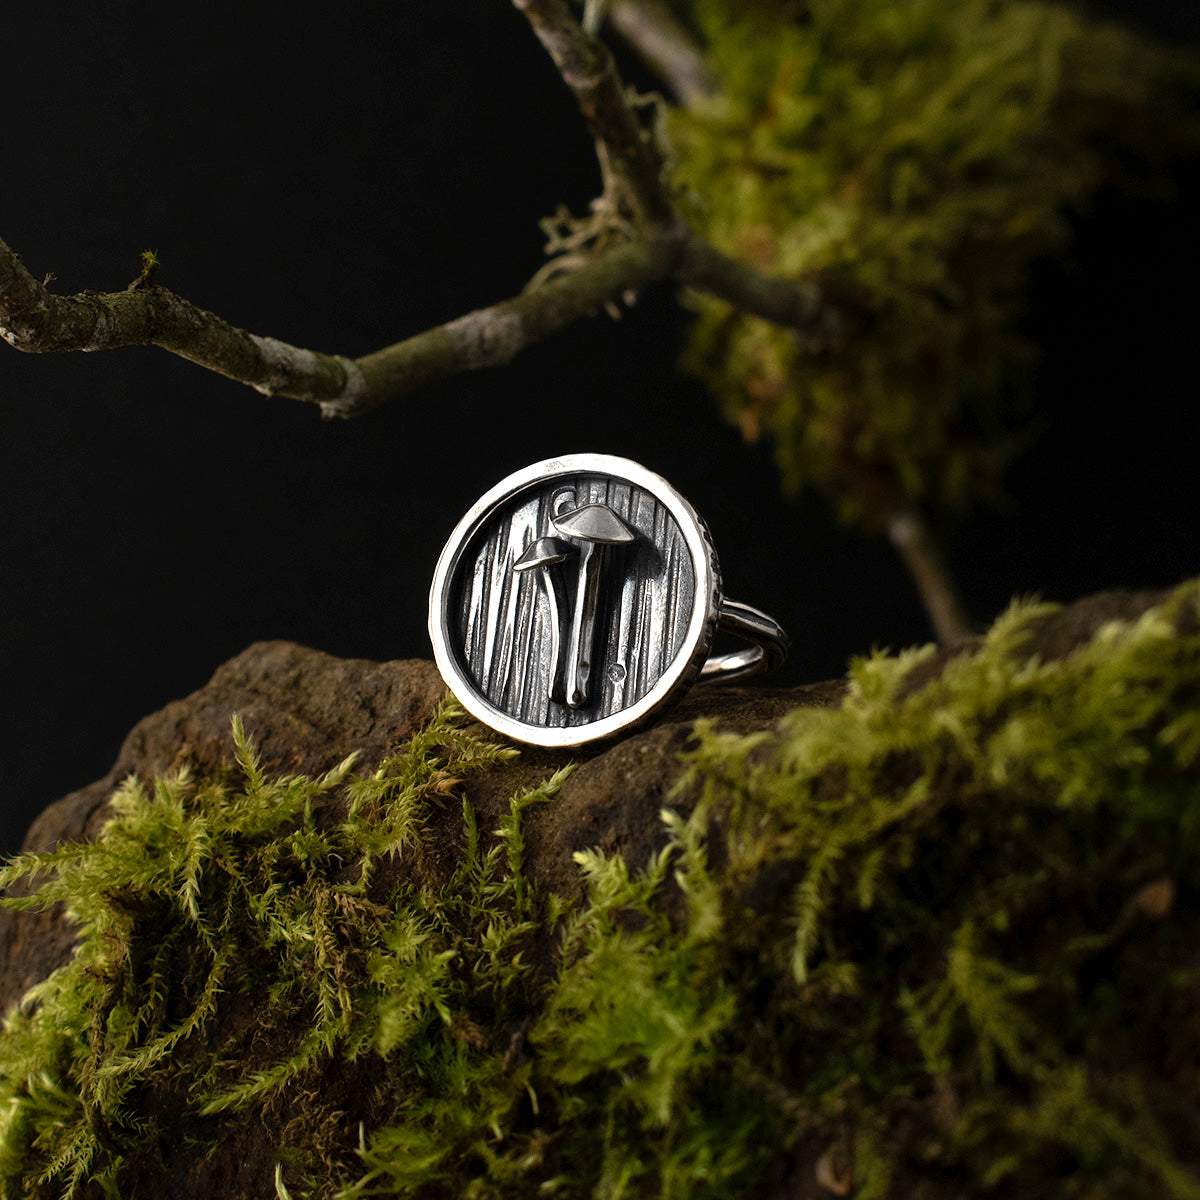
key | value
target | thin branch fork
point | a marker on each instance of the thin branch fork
(653, 30)
(658, 246)
(652, 244)
(36, 321)
(629, 163)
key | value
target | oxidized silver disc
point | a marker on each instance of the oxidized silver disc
(577, 598)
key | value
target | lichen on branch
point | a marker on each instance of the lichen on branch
(35, 320)
(632, 165)
(647, 245)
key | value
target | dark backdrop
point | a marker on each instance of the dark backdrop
(344, 180)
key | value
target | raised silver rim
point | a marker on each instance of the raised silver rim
(679, 674)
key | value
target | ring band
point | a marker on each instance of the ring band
(769, 649)
(579, 598)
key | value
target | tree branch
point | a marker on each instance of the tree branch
(666, 47)
(491, 336)
(628, 160)
(798, 304)
(36, 321)
(915, 544)
(588, 69)
(657, 245)
(888, 508)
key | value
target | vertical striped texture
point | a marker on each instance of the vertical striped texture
(646, 595)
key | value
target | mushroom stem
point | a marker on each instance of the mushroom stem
(583, 626)
(543, 556)
(593, 525)
(556, 603)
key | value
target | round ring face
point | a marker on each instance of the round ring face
(576, 599)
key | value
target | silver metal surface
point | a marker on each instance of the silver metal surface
(769, 649)
(580, 597)
(593, 526)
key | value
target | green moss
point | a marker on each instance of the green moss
(940, 938)
(914, 160)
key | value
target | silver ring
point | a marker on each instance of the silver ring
(579, 598)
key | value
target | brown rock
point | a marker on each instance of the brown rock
(1055, 635)
(307, 710)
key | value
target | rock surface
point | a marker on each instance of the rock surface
(307, 710)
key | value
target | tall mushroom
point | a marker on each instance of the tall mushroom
(542, 555)
(593, 526)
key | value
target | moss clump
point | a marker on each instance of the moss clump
(937, 942)
(989, 965)
(913, 160)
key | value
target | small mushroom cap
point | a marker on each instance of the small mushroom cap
(545, 552)
(594, 523)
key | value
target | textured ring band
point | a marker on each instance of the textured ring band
(580, 597)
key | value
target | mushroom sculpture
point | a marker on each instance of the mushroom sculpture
(593, 526)
(542, 556)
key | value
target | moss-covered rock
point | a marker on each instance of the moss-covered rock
(937, 940)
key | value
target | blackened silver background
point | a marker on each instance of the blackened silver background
(647, 594)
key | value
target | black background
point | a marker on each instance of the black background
(344, 180)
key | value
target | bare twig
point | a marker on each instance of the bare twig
(491, 336)
(799, 304)
(34, 320)
(651, 243)
(916, 546)
(888, 508)
(631, 165)
(666, 47)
